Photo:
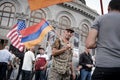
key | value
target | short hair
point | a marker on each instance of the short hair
(41, 48)
(114, 5)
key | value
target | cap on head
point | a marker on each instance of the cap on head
(70, 29)
(40, 48)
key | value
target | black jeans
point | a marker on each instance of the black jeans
(101, 73)
(40, 75)
(3, 69)
(26, 75)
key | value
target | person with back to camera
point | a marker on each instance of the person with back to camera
(5, 62)
(28, 62)
(105, 37)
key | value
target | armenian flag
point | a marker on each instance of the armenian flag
(33, 35)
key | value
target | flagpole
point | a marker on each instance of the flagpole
(101, 4)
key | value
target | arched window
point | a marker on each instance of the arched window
(84, 34)
(76, 40)
(64, 21)
(7, 13)
(36, 17)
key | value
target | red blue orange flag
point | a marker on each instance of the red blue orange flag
(33, 35)
(37, 4)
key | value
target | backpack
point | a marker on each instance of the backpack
(39, 63)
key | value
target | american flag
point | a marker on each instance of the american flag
(15, 36)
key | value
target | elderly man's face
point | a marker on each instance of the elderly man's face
(68, 34)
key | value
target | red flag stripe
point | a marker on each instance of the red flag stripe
(11, 32)
(15, 38)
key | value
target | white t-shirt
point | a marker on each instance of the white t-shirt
(29, 57)
(43, 56)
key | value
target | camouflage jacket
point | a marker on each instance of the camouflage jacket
(61, 63)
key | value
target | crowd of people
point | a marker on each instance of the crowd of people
(104, 37)
(41, 66)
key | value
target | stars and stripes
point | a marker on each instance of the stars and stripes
(14, 35)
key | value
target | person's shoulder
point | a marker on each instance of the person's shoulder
(45, 55)
(29, 52)
(7, 52)
(106, 15)
(37, 56)
(100, 17)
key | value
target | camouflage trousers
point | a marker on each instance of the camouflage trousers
(53, 75)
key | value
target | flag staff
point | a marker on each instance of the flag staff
(101, 4)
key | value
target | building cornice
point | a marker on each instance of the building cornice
(80, 8)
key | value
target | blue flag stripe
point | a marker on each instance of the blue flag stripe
(36, 34)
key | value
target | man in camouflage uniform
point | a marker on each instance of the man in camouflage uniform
(62, 68)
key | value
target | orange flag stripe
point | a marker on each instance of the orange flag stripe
(29, 44)
(27, 31)
(37, 4)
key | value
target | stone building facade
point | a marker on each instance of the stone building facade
(69, 14)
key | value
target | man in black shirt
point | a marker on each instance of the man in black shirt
(86, 64)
